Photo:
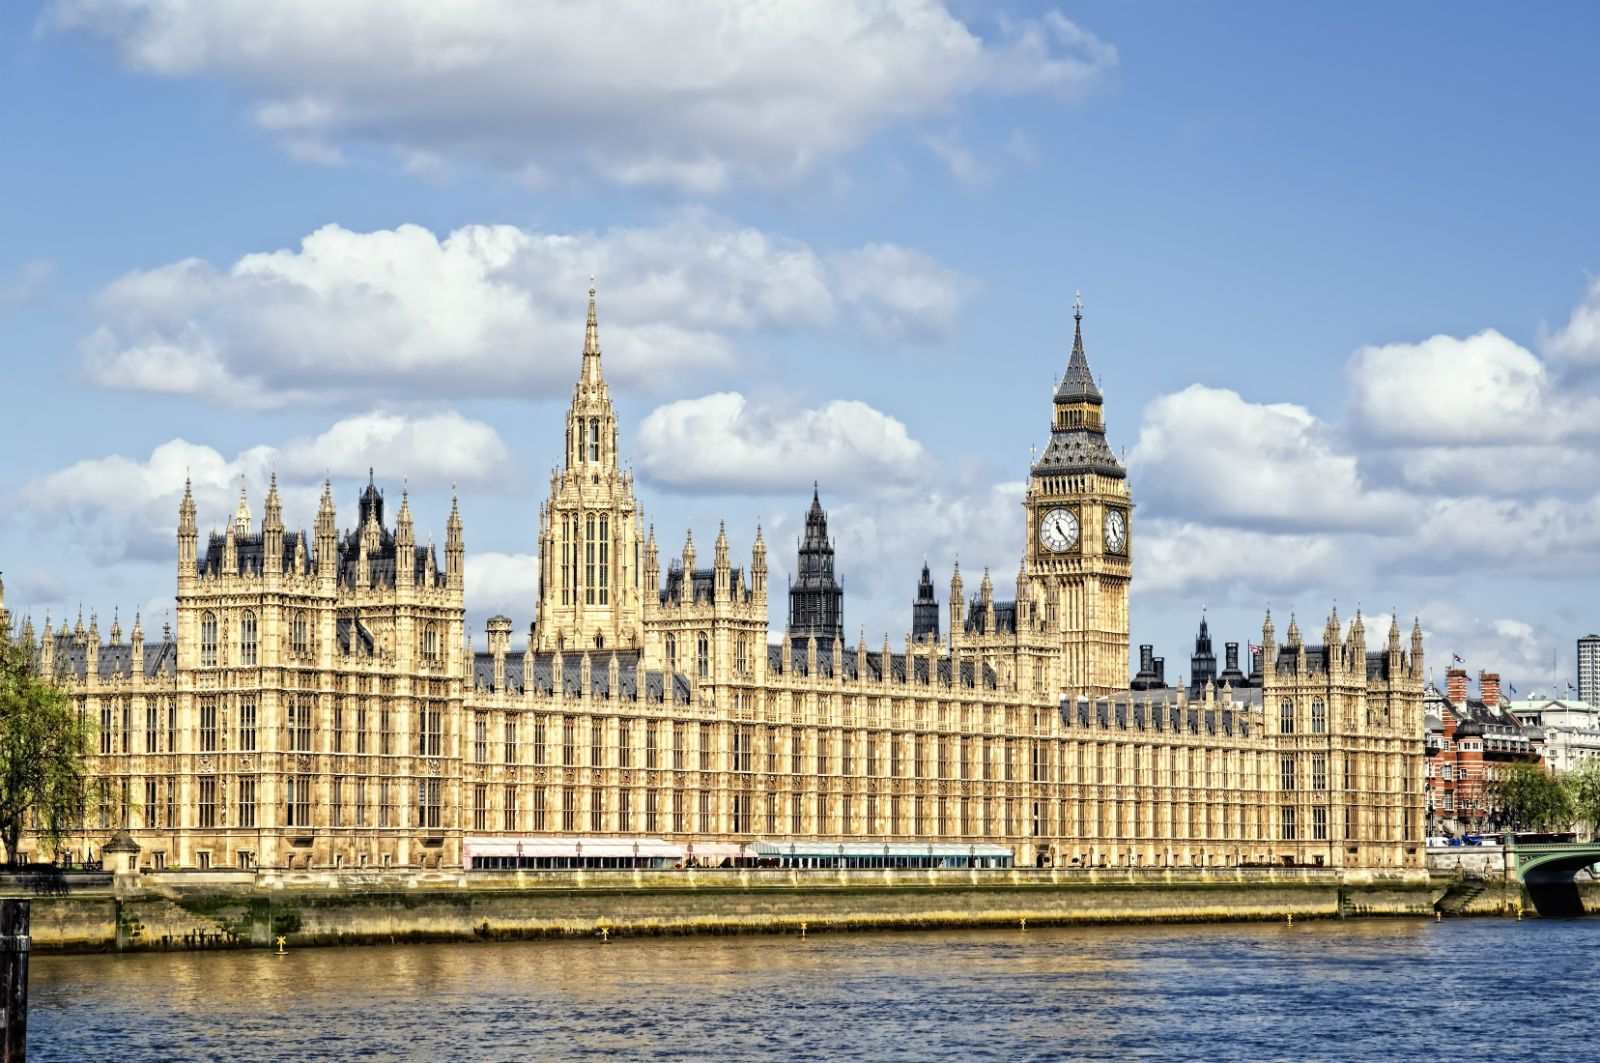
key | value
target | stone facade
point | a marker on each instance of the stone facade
(318, 707)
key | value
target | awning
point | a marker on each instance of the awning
(893, 850)
(717, 850)
(542, 846)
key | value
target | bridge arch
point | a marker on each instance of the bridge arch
(1549, 871)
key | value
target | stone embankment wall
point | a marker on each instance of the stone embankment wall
(176, 911)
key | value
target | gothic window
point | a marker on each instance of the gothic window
(510, 807)
(588, 572)
(428, 803)
(300, 634)
(480, 738)
(1286, 773)
(741, 655)
(430, 643)
(605, 559)
(1286, 717)
(208, 801)
(480, 807)
(247, 724)
(1319, 717)
(1319, 772)
(672, 652)
(511, 740)
(208, 724)
(566, 559)
(247, 639)
(1287, 813)
(208, 640)
(594, 440)
(703, 655)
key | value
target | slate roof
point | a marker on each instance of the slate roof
(543, 678)
(855, 664)
(160, 659)
(1140, 711)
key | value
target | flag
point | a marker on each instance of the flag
(1456, 658)
(1254, 648)
(1512, 687)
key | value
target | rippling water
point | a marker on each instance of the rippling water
(1462, 990)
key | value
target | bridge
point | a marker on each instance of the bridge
(1549, 870)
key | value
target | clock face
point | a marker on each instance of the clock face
(1058, 530)
(1116, 531)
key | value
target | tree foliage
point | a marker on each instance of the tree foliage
(1530, 798)
(44, 749)
(1583, 787)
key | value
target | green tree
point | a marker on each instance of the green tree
(1530, 798)
(44, 749)
(1583, 787)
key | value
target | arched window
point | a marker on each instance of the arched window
(300, 633)
(1286, 717)
(430, 643)
(208, 640)
(247, 639)
(672, 651)
(1319, 717)
(605, 559)
(703, 655)
(588, 572)
(594, 440)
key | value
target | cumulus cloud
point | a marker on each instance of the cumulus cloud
(723, 442)
(121, 507)
(503, 584)
(1207, 453)
(1458, 391)
(1578, 342)
(1184, 559)
(494, 310)
(693, 96)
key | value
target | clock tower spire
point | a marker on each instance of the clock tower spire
(1079, 554)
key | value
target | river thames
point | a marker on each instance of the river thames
(1462, 990)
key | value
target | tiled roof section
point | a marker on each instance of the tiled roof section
(160, 659)
(701, 584)
(364, 642)
(1005, 617)
(250, 551)
(1144, 711)
(1079, 450)
(1497, 721)
(543, 680)
(871, 664)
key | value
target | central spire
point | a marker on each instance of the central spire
(591, 345)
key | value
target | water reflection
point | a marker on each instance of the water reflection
(1360, 990)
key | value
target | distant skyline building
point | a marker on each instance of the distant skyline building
(1588, 669)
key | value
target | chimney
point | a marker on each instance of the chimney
(1489, 687)
(1232, 650)
(1147, 659)
(1161, 670)
(1456, 685)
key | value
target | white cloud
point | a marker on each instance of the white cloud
(962, 164)
(505, 584)
(121, 507)
(692, 95)
(723, 442)
(431, 448)
(1578, 342)
(494, 310)
(1446, 390)
(1208, 454)
(1185, 560)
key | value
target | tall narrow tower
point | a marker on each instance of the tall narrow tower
(589, 593)
(816, 601)
(1079, 552)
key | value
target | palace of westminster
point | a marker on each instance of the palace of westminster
(318, 705)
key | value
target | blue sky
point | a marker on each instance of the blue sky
(1338, 269)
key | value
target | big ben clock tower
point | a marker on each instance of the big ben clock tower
(1078, 561)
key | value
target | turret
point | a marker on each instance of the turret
(925, 610)
(188, 536)
(272, 531)
(405, 544)
(137, 639)
(1269, 647)
(499, 645)
(688, 560)
(116, 628)
(91, 647)
(958, 605)
(455, 551)
(758, 567)
(722, 568)
(1416, 648)
(241, 516)
(327, 529)
(652, 566)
